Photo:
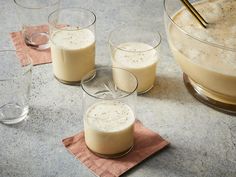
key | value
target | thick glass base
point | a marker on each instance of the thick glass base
(13, 113)
(112, 156)
(75, 82)
(38, 41)
(145, 91)
(68, 82)
(210, 98)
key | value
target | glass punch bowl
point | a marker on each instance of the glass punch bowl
(209, 68)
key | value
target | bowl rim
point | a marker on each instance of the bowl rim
(193, 37)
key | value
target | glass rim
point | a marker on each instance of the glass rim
(78, 8)
(193, 37)
(25, 72)
(87, 78)
(133, 27)
(36, 8)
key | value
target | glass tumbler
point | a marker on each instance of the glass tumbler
(136, 49)
(72, 36)
(15, 84)
(109, 112)
(33, 16)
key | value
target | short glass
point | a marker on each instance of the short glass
(15, 85)
(72, 36)
(109, 112)
(136, 49)
(33, 16)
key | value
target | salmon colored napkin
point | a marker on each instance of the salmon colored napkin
(38, 56)
(147, 143)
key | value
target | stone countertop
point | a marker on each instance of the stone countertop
(203, 141)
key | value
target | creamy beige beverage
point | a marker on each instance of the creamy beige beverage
(73, 53)
(108, 127)
(138, 58)
(212, 67)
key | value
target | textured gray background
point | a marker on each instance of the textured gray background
(203, 141)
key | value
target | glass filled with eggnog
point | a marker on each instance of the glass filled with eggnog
(207, 56)
(136, 49)
(72, 41)
(109, 112)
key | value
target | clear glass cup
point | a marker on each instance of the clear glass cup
(15, 85)
(72, 36)
(208, 67)
(33, 16)
(136, 49)
(109, 111)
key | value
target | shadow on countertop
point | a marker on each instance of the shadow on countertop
(169, 88)
(46, 122)
(184, 162)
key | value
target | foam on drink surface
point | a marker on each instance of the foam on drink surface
(73, 39)
(221, 16)
(135, 55)
(109, 116)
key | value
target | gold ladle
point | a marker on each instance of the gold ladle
(195, 13)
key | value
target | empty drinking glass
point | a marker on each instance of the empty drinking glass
(33, 16)
(15, 84)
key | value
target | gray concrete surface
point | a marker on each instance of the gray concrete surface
(203, 141)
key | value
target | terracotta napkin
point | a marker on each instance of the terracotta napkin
(147, 143)
(37, 56)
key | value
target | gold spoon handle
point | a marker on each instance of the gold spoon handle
(194, 12)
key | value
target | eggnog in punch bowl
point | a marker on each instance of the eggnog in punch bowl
(207, 56)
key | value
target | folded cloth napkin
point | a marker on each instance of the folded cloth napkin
(147, 143)
(37, 56)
